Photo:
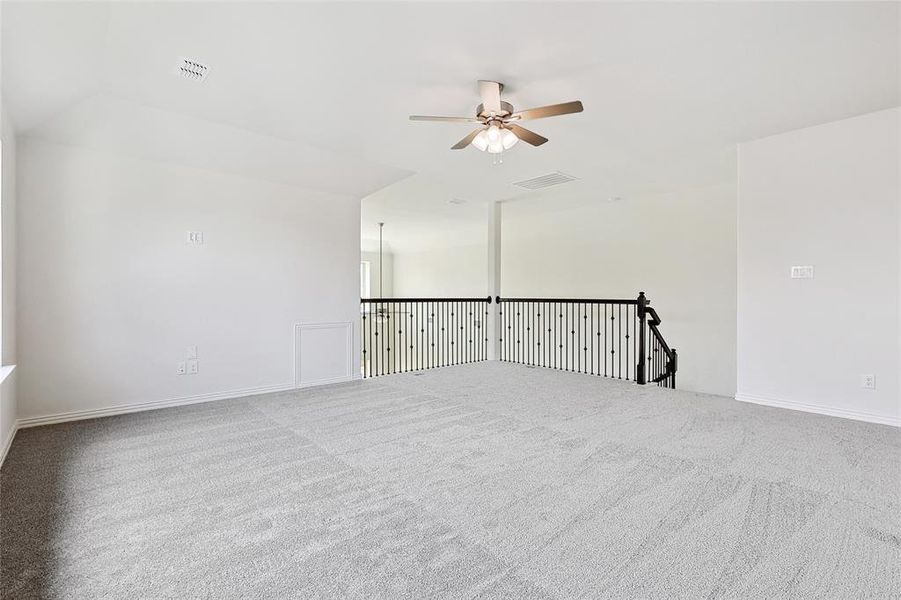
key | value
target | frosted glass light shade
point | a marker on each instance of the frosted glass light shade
(508, 139)
(481, 140)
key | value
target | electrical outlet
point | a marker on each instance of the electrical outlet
(193, 367)
(868, 382)
(191, 352)
(181, 369)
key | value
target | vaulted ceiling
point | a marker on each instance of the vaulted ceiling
(318, 94)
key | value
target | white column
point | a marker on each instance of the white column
(494, 277)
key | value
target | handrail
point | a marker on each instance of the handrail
(486, 299)
(630, 301)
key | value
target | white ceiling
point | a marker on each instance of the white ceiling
(668, 88)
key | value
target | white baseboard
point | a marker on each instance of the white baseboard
(318, 382)
(857, 415)
(8, 442)
(78, 415)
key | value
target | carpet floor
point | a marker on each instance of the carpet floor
(488, 480)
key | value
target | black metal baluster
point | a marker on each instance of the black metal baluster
(533, 348)
(576, 334)
(517, 328)
(607, 340)
(591, 309)
(558, 340)
(398, 336)
(483, 328)
(452, 330)
(509, 332)
(405, 352)
(634, 335)
(467, 333)
(458, 321)
(619, 336)
(656, 358)
(501, 316)
(417, 341)
(381, 335)
(545, 336)
(455, 328)
(517, 331)
(626, 343)
(413, 335)
(454, 347)
(583, 342)
(529, 340)
(561, 338)
(377, 342)
(392, 339)
(459, 332)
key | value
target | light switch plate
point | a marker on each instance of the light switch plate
(195, 238)
(802, 272)
(193, 367)
(191, 352)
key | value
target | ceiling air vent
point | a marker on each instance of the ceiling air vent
(537, 183)
(191, 69)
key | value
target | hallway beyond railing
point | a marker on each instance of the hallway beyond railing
(616, 338)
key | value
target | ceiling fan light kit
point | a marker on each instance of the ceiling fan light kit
(494, 140)
(498, 120)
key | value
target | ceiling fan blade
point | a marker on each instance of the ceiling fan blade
(490, 91)
(466, 141)
(446, 119)
(529, 137)
(548, 111)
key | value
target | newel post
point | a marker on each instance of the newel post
(674, 366)
(640, 375)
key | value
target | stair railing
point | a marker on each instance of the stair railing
(660, 362)
(614, 338)
(411, 334)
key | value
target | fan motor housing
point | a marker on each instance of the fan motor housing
(506, 110)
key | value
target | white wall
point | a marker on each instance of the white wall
(826, 196)
(385, 275)
(679, 248)
(8, 404)
(110, 294)
(451, 271)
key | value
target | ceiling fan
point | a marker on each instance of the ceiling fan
(498, 129)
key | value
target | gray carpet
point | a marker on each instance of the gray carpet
(488, 480)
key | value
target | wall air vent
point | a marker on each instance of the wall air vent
(191, 69)
(537, 183)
